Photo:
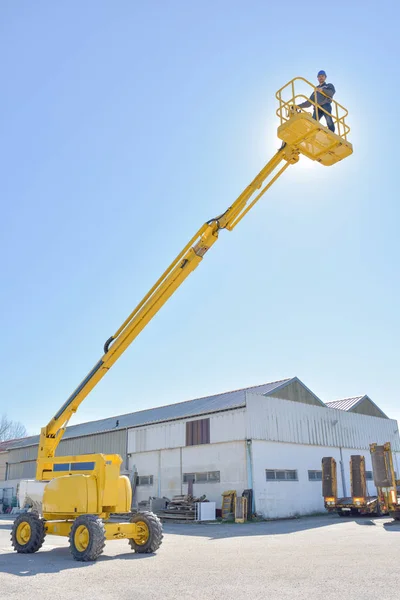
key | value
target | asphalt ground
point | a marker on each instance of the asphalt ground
(310, 558)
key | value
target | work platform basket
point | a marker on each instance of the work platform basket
(306, 134)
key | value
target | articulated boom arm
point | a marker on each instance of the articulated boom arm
(170, 280)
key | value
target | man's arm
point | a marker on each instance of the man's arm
(305, 104)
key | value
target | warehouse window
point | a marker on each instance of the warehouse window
(281, 475)
(368, 475)
(198, 432)
(205, 477)
(314, 475)
(144, 480)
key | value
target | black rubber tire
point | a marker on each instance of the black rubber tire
(37, 535)
(97, 538)
(155, 530)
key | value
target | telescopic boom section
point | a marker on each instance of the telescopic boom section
(184, 264)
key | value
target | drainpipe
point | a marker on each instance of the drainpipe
(180, 465)
(249, 469)
(126, 450)
(342, 473)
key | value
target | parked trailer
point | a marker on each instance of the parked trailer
(359, 503)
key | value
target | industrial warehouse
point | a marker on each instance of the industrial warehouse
(270, 438)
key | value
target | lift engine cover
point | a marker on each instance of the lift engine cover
(71, 494)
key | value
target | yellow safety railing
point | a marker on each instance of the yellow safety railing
(289, 98)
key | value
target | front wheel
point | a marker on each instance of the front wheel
(27, 533)
(149, 533)
(87, 538)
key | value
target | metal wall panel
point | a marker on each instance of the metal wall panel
(157, 437)
(22, 461)
(22, 470)
(16, 455)
(110, 442)
(3, 462)
(279, 420)
(228, 426)
(224, 427)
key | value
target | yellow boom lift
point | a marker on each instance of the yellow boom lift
(82, 491)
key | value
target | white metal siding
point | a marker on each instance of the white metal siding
(224, 427)
(279, 420)
(22, 470)
(20, 454)
(111, 442)
(156, 437)
(228, 426)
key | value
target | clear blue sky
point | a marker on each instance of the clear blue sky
(124, 126)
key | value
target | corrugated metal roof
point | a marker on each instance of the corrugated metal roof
(345, 403)
(180, 410)
(350, 403)
(8, 443)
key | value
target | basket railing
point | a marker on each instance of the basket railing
(289, 99)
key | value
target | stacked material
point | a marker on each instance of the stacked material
(181, 508)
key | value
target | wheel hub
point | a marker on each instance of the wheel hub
(142, 533)
(23, 533)
(81, 538)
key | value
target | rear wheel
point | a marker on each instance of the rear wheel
(27, 533)
(87, 538)
(149, 534)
